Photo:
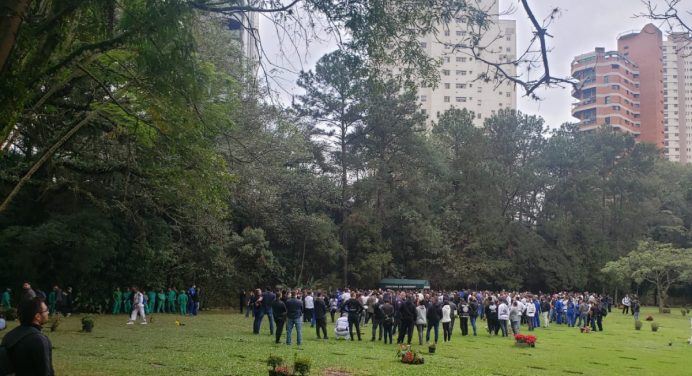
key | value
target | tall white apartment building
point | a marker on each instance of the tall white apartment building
(459, 85)
(677, 93)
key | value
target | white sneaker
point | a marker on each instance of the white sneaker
(143, 323)
(130, 323)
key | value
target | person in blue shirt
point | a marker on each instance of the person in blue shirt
(570, 313)
(558, 311)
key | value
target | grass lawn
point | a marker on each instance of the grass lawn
(221, 343)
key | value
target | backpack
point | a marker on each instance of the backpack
(604, 310)
(6, 367)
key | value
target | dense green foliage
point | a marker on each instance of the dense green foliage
(135, 152)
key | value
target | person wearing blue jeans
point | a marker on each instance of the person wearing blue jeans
(268, 298)
(474, 307)
(434, 313)
(294, 319)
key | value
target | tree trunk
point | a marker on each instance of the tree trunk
(344, 182)
(302, 263)
(660, 298)
(12, 13)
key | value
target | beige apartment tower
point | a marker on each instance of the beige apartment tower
(459, 85)
(677, 92)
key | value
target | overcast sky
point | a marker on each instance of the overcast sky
(581, 26)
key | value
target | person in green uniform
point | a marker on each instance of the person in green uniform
(127, 298)
(117, 300)
(6, 300)
(151, 304)
(160, 301)
(52, 299)
(170, 301)
(182, 302)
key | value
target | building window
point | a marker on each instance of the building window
(446, 33)
(461, 59)
(447, 85)
(446, 99)
(423, 98)
(607, 120)
(423, 45)
(461, 99)
(445, 72)
(447, 59)
(606, 99)
(461, 72)
(461, 86)
(605, 79)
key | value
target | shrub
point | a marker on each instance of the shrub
(638, 325)
(274, 361)
(301, 366)
(87, 324)
(654, 327)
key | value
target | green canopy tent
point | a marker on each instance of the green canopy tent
(392, 283)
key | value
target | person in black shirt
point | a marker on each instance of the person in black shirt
(268, 298)
(30, 351)
(434, 314)
(294, 312)
(354, 308)
(279, 310)
(387, 310)
(407, 317)
(320, 312)
(241, 297)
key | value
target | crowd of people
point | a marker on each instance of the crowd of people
(390, 312)
(140, 303)
(58, 301)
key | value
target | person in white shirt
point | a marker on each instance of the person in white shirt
(137, 307)
(626, 304)
(309, 303)
(530, 313)
(503, 316)
(446, 320)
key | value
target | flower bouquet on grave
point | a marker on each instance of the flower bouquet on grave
(409, 356)
(525, 340)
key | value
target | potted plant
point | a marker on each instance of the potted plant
(638, 325)
(301, 366)
(432, 348)
(276, 366)
(87, 324)
(654, 327)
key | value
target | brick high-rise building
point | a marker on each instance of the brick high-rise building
(623, 88)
